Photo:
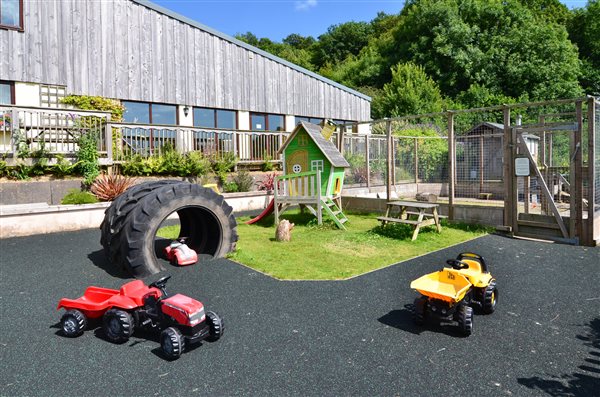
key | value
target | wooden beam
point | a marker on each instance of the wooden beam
(592, 136)
(367, 155)
(451, 165)
(577, 185)
(508, 170)
(388, 177)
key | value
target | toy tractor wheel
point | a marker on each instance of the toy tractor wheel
(490, 298)
(216, 325)
(172, 343)
(465, 319)
(117, 325)
(419, 310)
(73, 323)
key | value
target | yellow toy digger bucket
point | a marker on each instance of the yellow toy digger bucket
(446, 285)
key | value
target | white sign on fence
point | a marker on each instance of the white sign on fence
(522, 166)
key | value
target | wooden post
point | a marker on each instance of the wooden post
(394, 162)
(367, 156)
(515, 185)
(544, 162)
(591, 213)
(481, 164)
(451, 165)
(417, 163)
(577, 182)
(388, 184)
(341, 140)
(508, 170)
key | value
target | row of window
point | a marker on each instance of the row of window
(156, 113)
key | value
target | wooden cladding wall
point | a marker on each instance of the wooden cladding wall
(124, 50)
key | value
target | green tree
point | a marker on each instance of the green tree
(300, 42)
(340, 41)
(411, 91)
(584, 31)
(549, 10)
(498, 44)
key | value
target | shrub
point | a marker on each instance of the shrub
(244, 181)
(87, 156)
(222, 164)
(196, 164)
(136, 166)
(63, 167)
(268, 182)
(75, 196)
(3, 168)
(108, 187)
(230, 187)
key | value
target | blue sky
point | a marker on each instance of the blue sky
(276, 19)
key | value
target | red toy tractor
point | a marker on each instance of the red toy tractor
(181, 319)
(179, 254)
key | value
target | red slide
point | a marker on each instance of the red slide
(266, 212)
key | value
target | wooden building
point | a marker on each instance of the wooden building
(166, 68)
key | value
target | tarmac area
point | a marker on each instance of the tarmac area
(309, 338)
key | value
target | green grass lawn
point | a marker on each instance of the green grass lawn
(327, 253)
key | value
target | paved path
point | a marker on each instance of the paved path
(351, 337)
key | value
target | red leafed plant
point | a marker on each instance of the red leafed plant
(268, 182)
(108, 187)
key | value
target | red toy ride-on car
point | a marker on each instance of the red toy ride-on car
(181, 319)
(178, 253)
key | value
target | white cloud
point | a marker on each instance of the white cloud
(305, 5)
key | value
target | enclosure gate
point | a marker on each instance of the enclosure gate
(549, 189)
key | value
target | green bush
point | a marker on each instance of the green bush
(63, 167)
(20, 171)
(230, 187)
(244, 181)
(223, 164)
(3, 168)
(196, 164)
(75, 196)
(136, 166)
(87, 156)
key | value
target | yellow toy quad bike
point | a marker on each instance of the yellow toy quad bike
(451, 293)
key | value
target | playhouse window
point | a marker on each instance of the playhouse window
(302, 140)
(316, 165)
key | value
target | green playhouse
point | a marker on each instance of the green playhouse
(313, 173)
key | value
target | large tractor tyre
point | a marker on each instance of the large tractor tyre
(73, 323)
(465, 320)
(215, 325)
(116, 214)
(117, 325)
(419, 310)
(204, 217)
(172, 343)
(490, 298)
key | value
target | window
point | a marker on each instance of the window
(316, 165)
(7, 93)
(11, 14)
(51, 96)
(314, 120)
(149, 113)
(267, 122)
(215, 118)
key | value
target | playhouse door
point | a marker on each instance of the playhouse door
(297, 162)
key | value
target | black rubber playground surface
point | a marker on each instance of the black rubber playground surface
(342, 338)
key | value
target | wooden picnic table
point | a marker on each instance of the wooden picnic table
(414, 213)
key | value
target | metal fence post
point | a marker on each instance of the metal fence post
(109, 139)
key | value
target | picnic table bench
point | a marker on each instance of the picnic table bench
(414, 213)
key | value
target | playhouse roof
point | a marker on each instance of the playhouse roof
(329, 150)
